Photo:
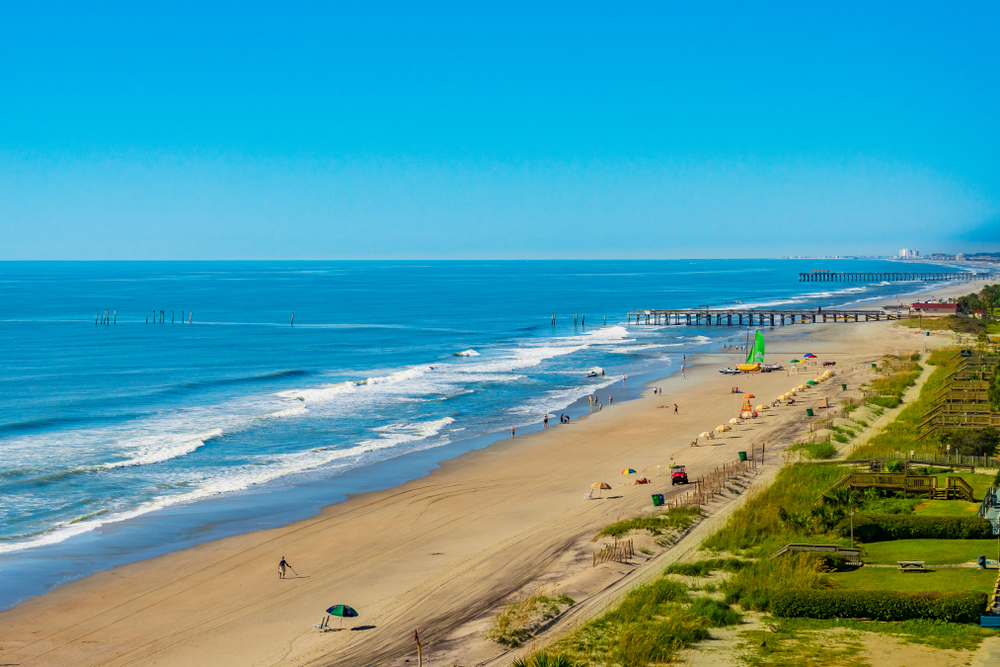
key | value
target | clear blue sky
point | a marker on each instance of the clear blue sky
(464, 130)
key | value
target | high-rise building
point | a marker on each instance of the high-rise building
(908, 254)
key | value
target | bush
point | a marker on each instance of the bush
(885, 401)
(973, 442)
(717, 612)
(879, 605)
(703, 568)
(754, 587)
(881, 527)
(816, 450)
(895, 466)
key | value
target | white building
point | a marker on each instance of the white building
(908, 254)
(960, 257)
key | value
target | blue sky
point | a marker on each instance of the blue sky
(465, 130)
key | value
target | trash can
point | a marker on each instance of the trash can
(874, 365)
(843, 387)
(982, 562)
(927, 333)
(742, 455)
(657, 499)
(809, 412)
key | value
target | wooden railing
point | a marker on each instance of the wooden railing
(961, 488)
(851, 556)
(889, 481)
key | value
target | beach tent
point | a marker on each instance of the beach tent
(600, 486)
(722, 428)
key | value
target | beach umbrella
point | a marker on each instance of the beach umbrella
(795, 361)
(761, 407)
(734, 421)
(628, 471)
(600, 486)
(810, 383)
(722, 428)
(809, 356)
(343, 611)
(749, 396)
(802, 387)
(706, 434)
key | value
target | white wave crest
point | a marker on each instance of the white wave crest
(153, 450)
(468, 353)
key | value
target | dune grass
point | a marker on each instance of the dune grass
(512, 626)
(901, 434)
(676, 518)
(653, 622)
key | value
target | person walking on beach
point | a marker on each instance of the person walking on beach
(282, 564)
(675, 408)
(545, 422)
(623, 379)
(611, 399)
(512, 431)
(682, 372)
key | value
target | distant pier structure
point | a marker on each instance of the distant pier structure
(869, 276)
(737, 318)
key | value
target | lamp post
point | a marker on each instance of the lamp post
(852, 529)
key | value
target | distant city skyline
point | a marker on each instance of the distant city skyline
(446, 130)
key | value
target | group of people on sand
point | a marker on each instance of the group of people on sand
(734, 390)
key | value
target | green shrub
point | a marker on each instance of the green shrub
(962, 607)
(840, 437)
(816, 450)
(895, 466)
(861, 422)
(717, 612)
(885, 401)
(703, 568)
(881, 527)
(545, 659)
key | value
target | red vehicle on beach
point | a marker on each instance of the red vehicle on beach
(678, 475)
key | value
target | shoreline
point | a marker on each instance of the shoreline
(501, 502)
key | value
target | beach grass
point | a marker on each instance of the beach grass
(513, 625)
(676, 518)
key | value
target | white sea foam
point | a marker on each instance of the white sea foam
(159, 449)
(468, 353)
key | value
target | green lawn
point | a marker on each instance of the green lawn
(933, 552)
(947, 508)
(944, 580)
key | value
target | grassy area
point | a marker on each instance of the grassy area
(779, 514)
(901, 434)
(944, 580)
(650, 626)
(513, 625)
(935, 552)
(946, 508)
(703, 568)
(815, 450)
(676, 518)
(805, 642)
(956, 323)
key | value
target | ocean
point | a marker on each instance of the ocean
(152, 432)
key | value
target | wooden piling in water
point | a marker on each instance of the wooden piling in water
(293, 319)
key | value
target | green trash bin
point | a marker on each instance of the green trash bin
(874, 365)
(843, 387)
(657, 499)
(743, 456)
(809, 412)
(927, 333)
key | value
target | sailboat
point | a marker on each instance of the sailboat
(755, 357)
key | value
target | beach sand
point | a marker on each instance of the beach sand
(436, 553)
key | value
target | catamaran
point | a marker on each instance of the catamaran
(755, 357)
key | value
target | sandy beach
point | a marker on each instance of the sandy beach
(439, 553)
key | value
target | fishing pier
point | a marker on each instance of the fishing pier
(695, 317)
(853, 277)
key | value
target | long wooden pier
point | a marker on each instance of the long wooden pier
(853, 276)
(738, 318)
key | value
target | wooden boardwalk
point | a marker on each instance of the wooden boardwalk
(738, 318)
(852, 277)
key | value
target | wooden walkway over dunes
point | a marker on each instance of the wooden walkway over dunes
(853, 277)
(963, 401)
(738, 318)
(908, 484)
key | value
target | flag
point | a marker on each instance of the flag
(416, 638)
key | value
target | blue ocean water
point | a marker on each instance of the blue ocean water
(101, 425)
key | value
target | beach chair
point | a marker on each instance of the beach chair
(590, 495)
(323, 625)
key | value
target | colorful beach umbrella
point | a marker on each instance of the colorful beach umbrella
(343, 611)
(749, 396)
(809, 355)
(628, 471)
(795, 361)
